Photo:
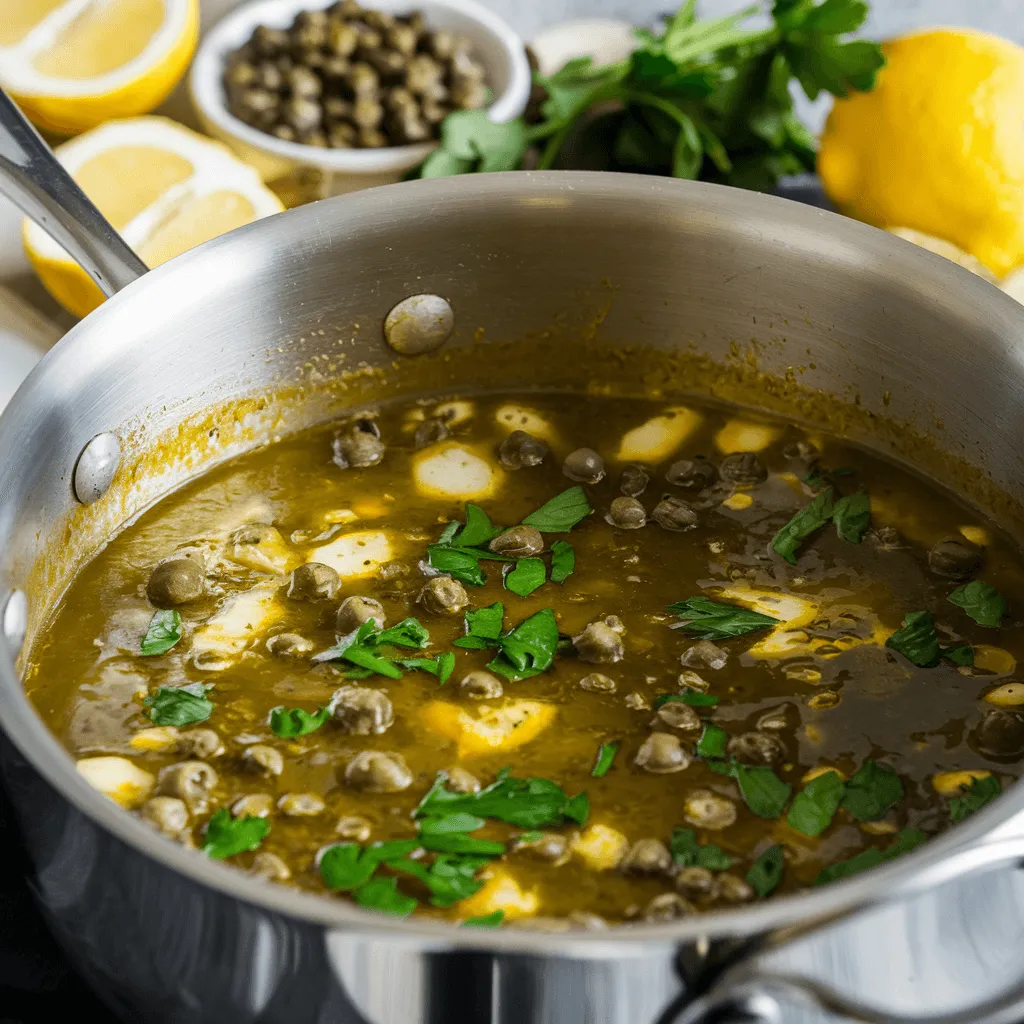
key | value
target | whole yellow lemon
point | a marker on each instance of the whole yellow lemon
(938, 145)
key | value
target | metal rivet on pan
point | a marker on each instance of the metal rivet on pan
(15, 620)
(96, 467)
(419, 324)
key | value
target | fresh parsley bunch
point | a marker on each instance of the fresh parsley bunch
(706, 99)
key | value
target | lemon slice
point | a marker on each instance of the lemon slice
(72, 64)
(165, 188)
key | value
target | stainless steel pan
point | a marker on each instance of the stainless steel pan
(696, 274)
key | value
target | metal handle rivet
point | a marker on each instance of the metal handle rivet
(420, 323)
(96, 467)
(15, 620)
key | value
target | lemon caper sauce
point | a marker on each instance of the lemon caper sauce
(557, 661)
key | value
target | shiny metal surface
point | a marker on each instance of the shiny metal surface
(31, 177)
(169, 936)
(95, 468)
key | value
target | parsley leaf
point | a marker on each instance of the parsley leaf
(442, 666)
(852, 516)
(529, 649)
(163, 633)
(459, 563)
(762, 790)
(478, 531)
(688, 853)
(291, 722)
(407, 633)
(712, 743)
(492, 920)
(815, 805)
(526, 577)
(904, 842)
(179, 705)
(766, 872)
(713, 620)
(449, 879)
(382, 894)
(981, 601)
(872, 791)
(226, 836)
(360, 647)
(918, 642)
(691, 697)
(973, 798)
(605, 758)
(561, 513)
(527, 803)
(807, 521)
(483, 627)
(471, 141)
(563, 561)
(347, 866)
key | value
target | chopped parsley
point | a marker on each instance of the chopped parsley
(816, 804)
(163, 633)
(459, 563)
(981, 601)
(360, 647)
(714, 620)
(180, 705)
(492, 920)
(442, 666)
(483, 627)
(807, 521)
(691, 697)
(226, 836)
(382, 894)
(918, 642)
(904, 842)
(561, 513)
(766, 872)
(974, 797)
(762, 790)
(526, 576)
(529, 649)
(563, 561)
(712, 743)
(852, 516)
(688, 853)
(347, 866)
(872, 791)
(605, 758)
(290, 722)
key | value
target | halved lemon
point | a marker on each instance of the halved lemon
(73, 64)
(164, 187)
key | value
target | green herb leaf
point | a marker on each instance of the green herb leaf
(527, 803)
(762, 790)
(872, 791)
(605, 757)
(809, 520)
(470, 140)
(483, 627)
(691, 697)
(561, 513)
(460, 843)
(815, 805)
(961, 654)
(766, 872)
(291, 722)
(688, 853)
(442, 666)
(226, 836)
(460, 821)
(917, 641)
(451, 878)
(529, 649)
(347, 866)
(163, 633)
(478, 531)
(382, 894)
(980, 792)
(492, 920)
(904, 842)
(459, 563)
(407, 633)
(981, 601)
(712, 743)
(713, 620)
(852, 516)
(526, 577)
(358, 649)
(563, 561)
(179, 705)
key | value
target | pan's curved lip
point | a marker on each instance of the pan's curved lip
(41, 750)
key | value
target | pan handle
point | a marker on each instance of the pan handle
(34, 180)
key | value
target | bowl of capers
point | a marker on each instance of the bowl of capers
(360, 92)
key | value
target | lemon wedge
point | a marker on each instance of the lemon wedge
(165, 188)
(73, 64)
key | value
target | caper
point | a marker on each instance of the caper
(168, 814)
(676, 715)
(270, 867)
(521, 450)
(468, 93)
(285, 132)
(342, 136)
(253, 805)
(519, 542)
(460, 780)
(372, 138)
(191, 781)
(585, 919)
(598, 644)
(334, 72)
(313, 581)
(696, 883)
(443, 596)
(376, 772)
(955, 558)
(408, 127)
(704, 654)
(240, 74)
(706, 809)
(401, 38)
(431, 431)
(363, 80)
(354, 611)
(596, 682)
(422, 73)
(548, 846)
(354, 828)
(357, 449)
(269, 76)
(304, 83)
(669, 906)
(304, 115)
(662, 753)
(744, 469)
(176, 581)
(692, 474)
(301, 805)
(342, 38)
(391, 571)
(1000, 735)
(362, 711)
(267, 41)
(673, 513)
(289, 645)
(442, 44)
(202, 743)
(626, 514)
(756, 748)
(584, 466)
(886, 537)
(263, 759)
(367, 112)
(734, 890)
(633, 481)
(636, 702)
(646, 857)
(480, 685)
(434, 111)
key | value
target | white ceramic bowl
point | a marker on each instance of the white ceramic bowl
(498, 48)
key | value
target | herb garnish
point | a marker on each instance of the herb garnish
(904, 842)
(483, 627)
(712, 743)
(688, 853)
(382, 894)
(815, 805)
(226, 836)
(529, 649)
(766, 872)
(852, 516)
(563, 561)
(808, 520)
(492, 920)
(872, 791)
(360, 647)
(163, 633)
(527, 803)
(526, 576)
(561, 513)
(981, 601)
(290, 722)
(450, 835)
(762, 790)
(691, 697)
(973, 798)
(180, 705)
(713, 620)
(459, 563)
(605, 757)
(918, 642)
